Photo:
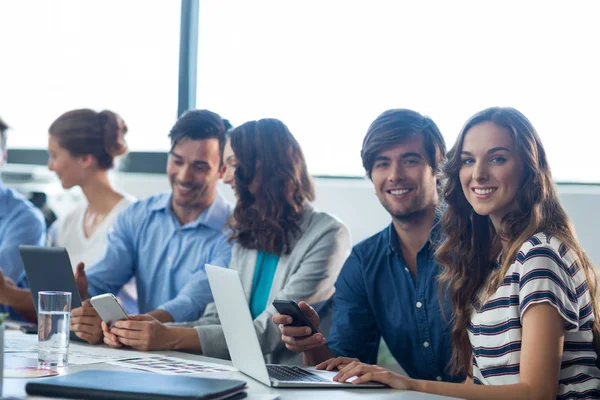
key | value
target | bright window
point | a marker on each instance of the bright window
(328, 68)
(58, 55)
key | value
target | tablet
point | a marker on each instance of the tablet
(49, 269)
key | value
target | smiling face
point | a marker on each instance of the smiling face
(230, 164)
(491, 170)
(404, 179)
(193, 169)
(70, 170)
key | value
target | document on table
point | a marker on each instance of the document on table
(26, 346)
(81, 354)
(20, 343)
(171, 365)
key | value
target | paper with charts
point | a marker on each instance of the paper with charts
(171, 365)
(83, 354)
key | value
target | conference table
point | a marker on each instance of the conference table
(15, 387)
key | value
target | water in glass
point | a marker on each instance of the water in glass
(53, 338)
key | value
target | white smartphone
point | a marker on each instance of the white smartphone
(108, 308)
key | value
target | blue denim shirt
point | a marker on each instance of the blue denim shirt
(378, 297)
(166, 258)
(20, 223)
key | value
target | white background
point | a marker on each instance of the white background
(326, 68)
(58, 55)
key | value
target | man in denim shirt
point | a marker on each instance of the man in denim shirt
(165, 240)
(20, 223)
(388, 287)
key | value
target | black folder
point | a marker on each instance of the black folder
(100, 385)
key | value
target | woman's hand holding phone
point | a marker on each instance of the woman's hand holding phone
(299, 324)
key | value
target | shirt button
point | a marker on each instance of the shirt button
(425, 344)
(164, 289)
(419, 304)
(169, 258)
(406, 269)
(438, 378)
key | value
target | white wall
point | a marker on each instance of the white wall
(354, 202)
(351, 200)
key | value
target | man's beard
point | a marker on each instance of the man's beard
(413, 216)
(414, 213)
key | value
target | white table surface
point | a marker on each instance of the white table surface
(256, 390)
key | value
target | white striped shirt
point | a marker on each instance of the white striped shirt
(544, 271)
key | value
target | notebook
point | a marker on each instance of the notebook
(103, 384)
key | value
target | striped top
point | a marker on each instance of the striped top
(544, 271)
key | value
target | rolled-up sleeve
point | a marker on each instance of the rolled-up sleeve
(192, 300)
(24, 226)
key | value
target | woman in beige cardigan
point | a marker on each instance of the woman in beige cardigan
(283, 248)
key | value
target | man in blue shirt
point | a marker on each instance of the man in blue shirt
(165, 240)
(20, 223)
(388, 287)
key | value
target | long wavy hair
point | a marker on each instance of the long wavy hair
(472, 245)
(272, 184)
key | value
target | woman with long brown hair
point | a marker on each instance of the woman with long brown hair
(526, 315)
(283, 248)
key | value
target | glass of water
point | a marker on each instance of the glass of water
(54, 311)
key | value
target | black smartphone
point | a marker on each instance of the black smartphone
(289, 307)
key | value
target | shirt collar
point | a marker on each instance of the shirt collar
(162, 202)
(215, 216)
(435, 235)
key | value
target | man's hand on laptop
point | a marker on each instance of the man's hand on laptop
(81, 281)
(85, 322)
(298, 338)
(336, 363)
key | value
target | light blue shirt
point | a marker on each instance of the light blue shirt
(166, 258)
(20, 223)
(266, 265)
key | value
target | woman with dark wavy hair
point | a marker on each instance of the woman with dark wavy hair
(283, 248)
(271, 183)
(526, 315)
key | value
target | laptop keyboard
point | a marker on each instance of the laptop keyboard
(288, 373)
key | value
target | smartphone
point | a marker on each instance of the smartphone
(290, 307)
(108, 308)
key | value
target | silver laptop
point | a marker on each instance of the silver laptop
(243, 344)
